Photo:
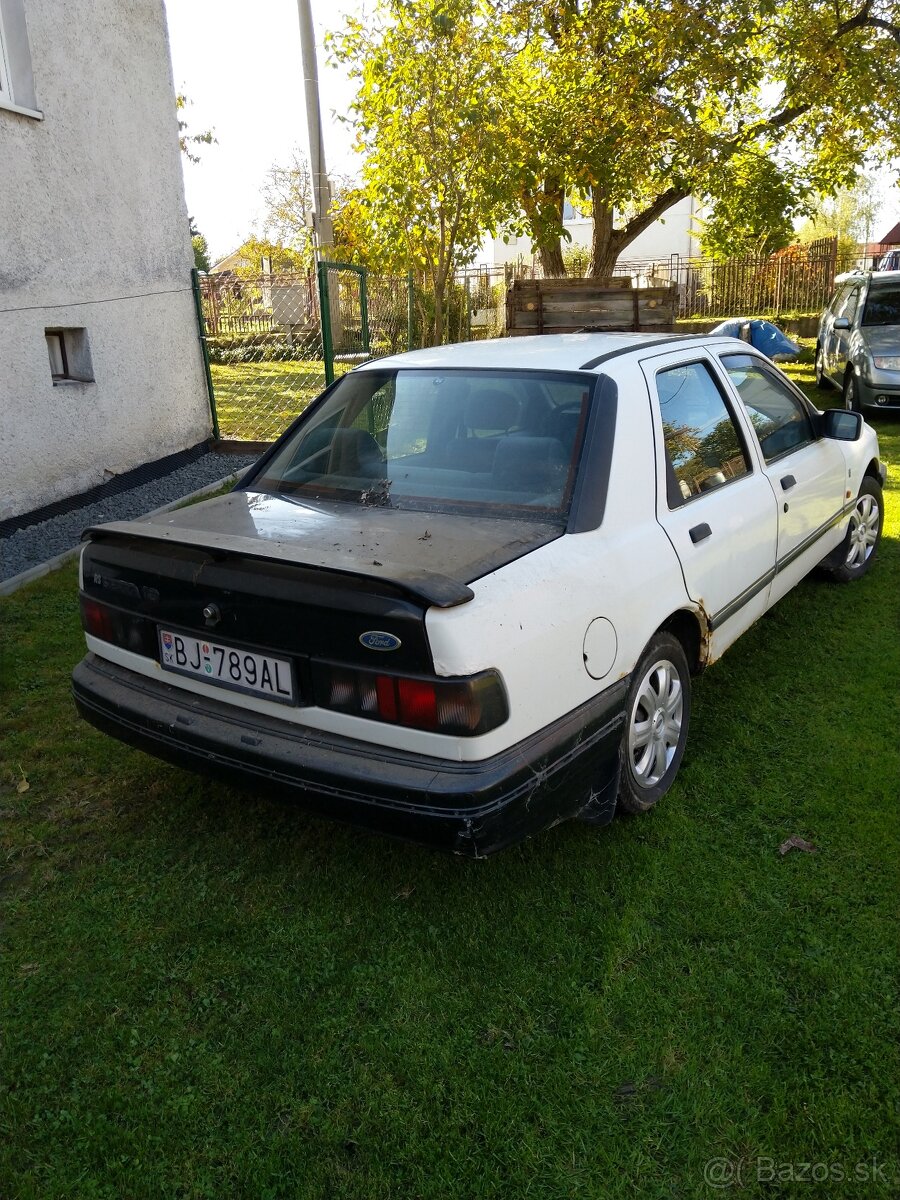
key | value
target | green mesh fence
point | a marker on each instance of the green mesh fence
(264, 341)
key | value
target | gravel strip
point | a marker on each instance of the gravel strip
(37, 543)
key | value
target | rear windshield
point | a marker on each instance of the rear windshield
(497, 442)
(882, 305)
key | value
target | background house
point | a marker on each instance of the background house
(675, 233)
(100, 364)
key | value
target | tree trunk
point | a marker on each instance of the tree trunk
(437, 329)
(551, 258)
(544, 210)
(605, 240)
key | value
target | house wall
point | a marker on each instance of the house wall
(94, 235)
(672, 234)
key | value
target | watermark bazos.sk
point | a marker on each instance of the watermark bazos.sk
(763, 1168)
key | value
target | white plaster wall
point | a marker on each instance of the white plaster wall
(671, 234)
(94, 233)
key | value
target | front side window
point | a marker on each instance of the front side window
(850, 304)
(882, 305)
(839, 298)
(779, 418)
(703, 446)
(501, 442)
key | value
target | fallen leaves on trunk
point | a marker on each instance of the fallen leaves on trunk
(795, 842)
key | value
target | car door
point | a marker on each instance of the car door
(713, 501)
(807, 473)
(837, 343)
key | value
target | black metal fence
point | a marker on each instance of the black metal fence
(270, 351)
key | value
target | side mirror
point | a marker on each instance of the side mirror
(841, 323)
(841, 424)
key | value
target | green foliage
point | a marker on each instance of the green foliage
(260, 254)
(199, 245)
(753, 210)
(848, 214)
(287, 195)
(477, 112)
(201, 252)
(577, 260)
(429, 121)
(187, 140)
(228, 351)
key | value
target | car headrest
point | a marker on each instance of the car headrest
(529, 464)
(355, 452)
(491, 408)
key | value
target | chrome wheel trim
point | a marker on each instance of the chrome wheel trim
(820, 364)
(655, 723)
(862, 534)
(849, 393)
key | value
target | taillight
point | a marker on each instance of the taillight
(466, 706)
(124, 629)
(97, 620)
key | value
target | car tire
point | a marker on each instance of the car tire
(851, 393)
(856, 553)
(657, 716)
(822, 380)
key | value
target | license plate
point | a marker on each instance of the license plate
(226, 666)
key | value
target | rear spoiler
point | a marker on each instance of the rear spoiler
(429, 586)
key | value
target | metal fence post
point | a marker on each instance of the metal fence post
(204, 349)
(325, 322)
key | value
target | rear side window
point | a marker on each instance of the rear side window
(779, 418)
(703, 447)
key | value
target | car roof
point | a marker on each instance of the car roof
(542, 352)
(852, 276)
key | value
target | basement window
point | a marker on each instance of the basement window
(70, 356)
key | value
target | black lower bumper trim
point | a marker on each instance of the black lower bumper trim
(471, 808)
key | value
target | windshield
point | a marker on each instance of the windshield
(882, 305)
(501, 442)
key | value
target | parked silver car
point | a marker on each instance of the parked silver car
(858, 343)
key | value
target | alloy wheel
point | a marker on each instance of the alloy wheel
(655, 723)
(863, 531)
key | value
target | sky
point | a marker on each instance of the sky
(239, 65)
(238, 62)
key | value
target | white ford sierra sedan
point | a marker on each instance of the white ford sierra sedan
(463, 597)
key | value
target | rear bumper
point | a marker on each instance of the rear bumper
(470, 808)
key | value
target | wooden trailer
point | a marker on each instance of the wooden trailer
(588, 306)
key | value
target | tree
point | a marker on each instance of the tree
(287, 194)
(254, 252)
(641, 104)
(201, 249)
(473, 112)
(429, 123)
(756, 209)
(849, 215)
(187, 140)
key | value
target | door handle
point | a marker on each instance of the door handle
(699, 532)
(787, 482)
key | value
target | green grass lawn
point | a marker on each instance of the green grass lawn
(256, 402)
(208, 994)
